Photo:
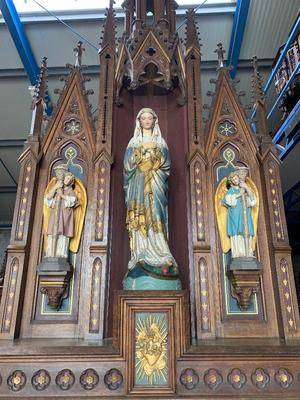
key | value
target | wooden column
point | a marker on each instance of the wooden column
(282, 263)
(17, 251)
(102, 175)
(200, 271)
(283, 268)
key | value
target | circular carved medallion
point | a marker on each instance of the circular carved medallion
(283, 378)
(227, 128)
(189, 378)
(260, 378)
(237, 378)
(113, 379)
(65, 379)
(72, 126)
(16, 380)
(89, 379)
(41, 379)
(213, 379)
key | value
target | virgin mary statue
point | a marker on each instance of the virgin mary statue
(146, 172)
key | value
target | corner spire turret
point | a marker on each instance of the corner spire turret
(41, 85)
(259, 107)
(109, 33)
(192, 39)
(257, 82)
(38, 103)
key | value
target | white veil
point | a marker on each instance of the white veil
(138, 133)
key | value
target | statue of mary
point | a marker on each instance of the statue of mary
(146, 172)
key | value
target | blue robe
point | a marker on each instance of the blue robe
(146, 187)
(235, 215)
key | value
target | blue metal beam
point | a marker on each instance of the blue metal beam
(282, 54)
(286, 86)
(280, 59)
(19, 37)
(237, 34)
(22, 44)
(287, 124)
(290, 145)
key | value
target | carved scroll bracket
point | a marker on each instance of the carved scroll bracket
(244, 285)
(55, 276)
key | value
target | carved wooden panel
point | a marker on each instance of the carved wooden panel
(13, 270)
(275, 202)
(102, 199)
(203, 295)
(147, 326)
(24, 200)
(95, 296)
(198, 199)
(287, 295)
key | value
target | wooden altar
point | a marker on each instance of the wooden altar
(225, 335)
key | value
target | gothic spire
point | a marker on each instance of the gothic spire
(259, 107)
(41, 85)
(38, 103)
(109, 33)
(192, 39)
(257, 82)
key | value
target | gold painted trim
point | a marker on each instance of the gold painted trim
(52, 283)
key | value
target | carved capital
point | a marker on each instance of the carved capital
(244, 284)
(55, 276)
(54, 292)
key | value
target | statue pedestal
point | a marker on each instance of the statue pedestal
(245, 263)
(138, 279)
(244, 274)
(151, 329)
(244, 284)
(54, 280)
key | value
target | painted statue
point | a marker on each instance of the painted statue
(64, 210)
(236, 204)
(146, 172)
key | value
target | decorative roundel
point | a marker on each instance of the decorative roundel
(65, 379)
(16, 380)
(89, 379)
(72, 126)
(113, 379)
(41, 380)
(227, 128)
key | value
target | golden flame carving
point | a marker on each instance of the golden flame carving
(151, 349)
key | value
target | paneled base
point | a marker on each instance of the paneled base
(41, 370)
(149, 357)
(214, 371)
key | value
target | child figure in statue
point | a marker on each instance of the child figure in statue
(146, 172)
(239, 200)
(61, 200)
